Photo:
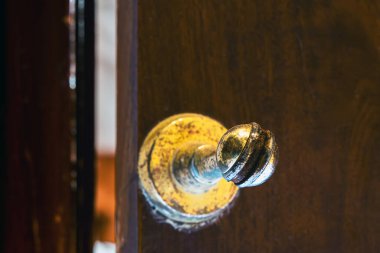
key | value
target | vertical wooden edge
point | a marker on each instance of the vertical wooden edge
(2, 122)
(126, 146)
(37, 179)
(85, 88)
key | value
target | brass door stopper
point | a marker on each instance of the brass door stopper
(191, 168)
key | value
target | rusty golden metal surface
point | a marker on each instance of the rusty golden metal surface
(182, 209)
(190, 167)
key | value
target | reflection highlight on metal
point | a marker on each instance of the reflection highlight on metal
(191, 167)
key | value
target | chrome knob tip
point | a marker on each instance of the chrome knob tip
(247, 155)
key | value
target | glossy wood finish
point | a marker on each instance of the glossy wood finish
(127, 128)
(39, 200)
(49, 147)
(306, 70)
(3, 102)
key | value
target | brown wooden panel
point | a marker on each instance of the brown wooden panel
(3, 102)
(307, 70)
(126, 143)
(40, 208)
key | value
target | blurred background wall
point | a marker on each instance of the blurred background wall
(105, 119)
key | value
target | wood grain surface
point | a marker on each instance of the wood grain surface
(307, 70)
(39, 200)
(49, 137)
(126, 143)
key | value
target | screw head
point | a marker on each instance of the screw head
(247, 155)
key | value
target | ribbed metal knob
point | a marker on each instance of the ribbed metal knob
(247, 155)
(184, 159)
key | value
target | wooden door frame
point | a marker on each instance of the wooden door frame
(39, 202)
(85, 120)
(47, 139)
(126, 136)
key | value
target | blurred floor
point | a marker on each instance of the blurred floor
(105, 120)
(105, 199)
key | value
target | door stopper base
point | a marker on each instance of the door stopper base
(190, 167)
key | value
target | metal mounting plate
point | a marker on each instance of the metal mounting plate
(183, 210)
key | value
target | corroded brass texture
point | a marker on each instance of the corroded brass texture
(190, 168)
(182, 209)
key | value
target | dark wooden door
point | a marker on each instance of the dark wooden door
(307, 70)
(46, 126)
